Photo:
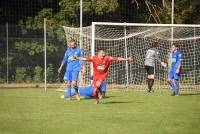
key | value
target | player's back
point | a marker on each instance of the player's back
(151, 57)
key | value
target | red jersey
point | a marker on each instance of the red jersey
(101, 66)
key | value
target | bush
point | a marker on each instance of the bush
(37, 74)
(20, 75)
(2, 80)
(50, 77)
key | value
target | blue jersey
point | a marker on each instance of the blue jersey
(176, 58)
(72, 63)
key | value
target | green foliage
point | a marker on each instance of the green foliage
(50, 73)
(38, 74)
(37, 21)
(104, 6)
(31, 48)
(20, 75)
(2, 80)
(34, 47)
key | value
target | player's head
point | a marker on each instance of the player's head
(101, 53)
(174, 47)
(72, 44)
(155, 45)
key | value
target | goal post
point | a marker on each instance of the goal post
(137, 38)
(133, 40)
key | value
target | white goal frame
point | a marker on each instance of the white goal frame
(94, 24)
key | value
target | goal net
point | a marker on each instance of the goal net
(133, 40)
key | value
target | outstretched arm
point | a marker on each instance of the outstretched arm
(120, 59)
(87, 59)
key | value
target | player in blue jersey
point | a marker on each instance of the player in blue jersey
(73, 67)
(175, 68)
(86, 92)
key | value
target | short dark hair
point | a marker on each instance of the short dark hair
(155, 45)
(174, 44)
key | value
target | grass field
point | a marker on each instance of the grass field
(32, 111)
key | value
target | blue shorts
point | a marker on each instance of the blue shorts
(71, 75)
(173, 75)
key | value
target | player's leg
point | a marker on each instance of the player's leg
(176, 83)
(150, 77)
(67, 79)
(86, 91)
(69, 94)
(97, 88)
(74, 80)
(103, 88)
(171, 81)
(171, 84)
(150, 82)
(74, 83)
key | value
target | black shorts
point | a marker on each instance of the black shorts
(150, 70)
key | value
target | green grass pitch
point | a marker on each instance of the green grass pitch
(33, 111)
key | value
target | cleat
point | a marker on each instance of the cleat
(173, 94)
(62, 96)
(148, 91)
(97, 101)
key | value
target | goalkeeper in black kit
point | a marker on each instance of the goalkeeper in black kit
(152, 55)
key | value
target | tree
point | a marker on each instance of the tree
(38, 74)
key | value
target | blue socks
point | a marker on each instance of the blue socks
(68, 93)
(76, 89)
(171, 83)
(174, 84)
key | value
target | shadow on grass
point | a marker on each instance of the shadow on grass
(117, 102)
(88, 98)
(189, 94)
(106, 97)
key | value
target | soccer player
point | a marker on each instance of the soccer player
(175, 68)
(101, 64)
(86, 92)
(150, 59)
(73, 67)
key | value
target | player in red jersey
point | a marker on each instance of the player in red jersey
(101, 64)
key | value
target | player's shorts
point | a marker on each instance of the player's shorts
(71, 75)
(150, 70)
(173, 75)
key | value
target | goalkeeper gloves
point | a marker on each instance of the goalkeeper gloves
(164, 64)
